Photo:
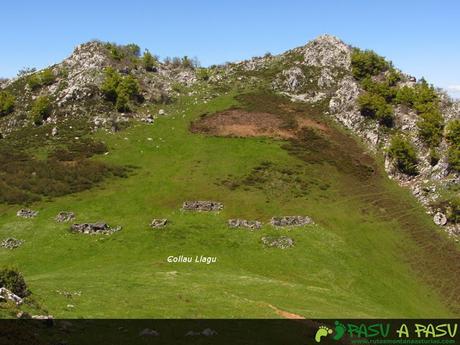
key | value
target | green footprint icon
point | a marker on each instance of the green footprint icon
(322, 332)
(339, 330)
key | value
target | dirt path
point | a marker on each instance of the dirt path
(286, 314)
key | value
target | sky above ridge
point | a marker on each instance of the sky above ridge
(421, 37)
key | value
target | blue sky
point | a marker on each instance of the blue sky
(420, 37)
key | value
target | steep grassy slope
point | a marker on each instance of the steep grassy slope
(358, 261)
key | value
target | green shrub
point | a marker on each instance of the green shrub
(37, 80)
(393, 77)
(453, 212)
(13, 280)
(403, 153)
(366, 63)
(149, 61)
(47, 77)
(109, 86)
(203, 74)
(133, 49)
(115, 51)
(453, 138)
(430, 126)
(382, 89)
(129, 86)
(7, 101)
(119, 90)
(453, 158)
(119, 52)
(425, 101)
(187, 63)
(453, 133)
(375, 107)
(406, 96)
(41, 109)
(34, 81)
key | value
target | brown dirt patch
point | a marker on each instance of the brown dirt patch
(286, 314)
(241, 123)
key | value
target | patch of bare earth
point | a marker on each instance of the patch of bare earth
(241, 123)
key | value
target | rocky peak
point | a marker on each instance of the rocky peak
(87, 56)
(327, 51)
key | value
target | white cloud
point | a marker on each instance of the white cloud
(454, 88)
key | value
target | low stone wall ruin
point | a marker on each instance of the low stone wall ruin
(158, 223)
(26, 213)
(65, 216)
(202, 206)
(11, 243)
(243, 223)
(291, 221)
(94, 228)
(282, 242)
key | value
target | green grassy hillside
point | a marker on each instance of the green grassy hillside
(367, 256)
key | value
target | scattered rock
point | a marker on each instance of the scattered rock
(147, 332)
(6, 294)
(65, 216)
(26, 213)
(11, 243)
(23, 315)
(282, 242)
(440, 219)
(291, 221)
(161, 112)
(243, 223)
(202, 206)
(158, 223)
(208, 332)
(42, 317)
(54, 131)
(148, 119)
(94, 228)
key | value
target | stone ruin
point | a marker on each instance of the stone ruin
(94, 228)
(282, 242)
(158, 223)
(291, 221)
(65, 216)
(11, 243)
(6, 294)
(26, 213)
(440, 219)
(202, 206)
(243, 223)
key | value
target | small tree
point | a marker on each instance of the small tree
(406, 96)
(110, 84)
(13, 280)
(119, 90)
(7, 101)
(41, 109)
(47, 77)
(133, 49)
(453, 132)
(403, 153)
(430, 126)
(149, 61)
(453, 137)
(366, 63)
(375, 107)
(34, 81)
